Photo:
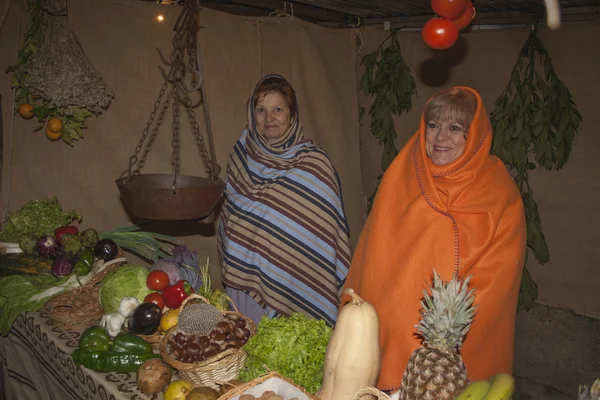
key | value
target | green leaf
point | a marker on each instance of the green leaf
(41, 112)
(534, 118)
(528, 291)
(80, 114)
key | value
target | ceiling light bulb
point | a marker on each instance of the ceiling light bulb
(160, 18)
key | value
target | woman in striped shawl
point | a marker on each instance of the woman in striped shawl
(283, 235)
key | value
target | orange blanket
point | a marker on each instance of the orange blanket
(466, 216)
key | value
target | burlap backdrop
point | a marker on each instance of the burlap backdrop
(120, 37)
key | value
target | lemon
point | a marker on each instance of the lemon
(177, 390)
(169, 320)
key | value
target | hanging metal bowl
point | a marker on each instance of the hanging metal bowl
(153, 196)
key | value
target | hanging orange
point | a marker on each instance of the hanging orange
(55, 125)
(467, 16)
(26, 110)
(52, 135)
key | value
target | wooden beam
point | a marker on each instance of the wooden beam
(573, 14)
(300, 11)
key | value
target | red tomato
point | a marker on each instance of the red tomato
(157, 280)
(450, 9)
(155, 298)
(439, 33)
(467, 16)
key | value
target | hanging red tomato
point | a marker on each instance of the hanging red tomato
(467, 16)
(450, 9)
(440, 33)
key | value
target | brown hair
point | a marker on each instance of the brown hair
(452, 104)
(280, 85)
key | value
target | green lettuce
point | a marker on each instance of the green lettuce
(294, 346)
(36, 219)
(126, 281)
(17, 296)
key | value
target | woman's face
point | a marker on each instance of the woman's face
(272, 115)
(445, 141)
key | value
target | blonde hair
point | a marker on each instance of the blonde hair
(454, 104)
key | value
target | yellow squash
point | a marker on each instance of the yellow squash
(352, 358)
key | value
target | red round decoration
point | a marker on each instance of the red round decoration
(155, 298)
(439, 33)
(467, 16)
(157, 280)
(450, 9)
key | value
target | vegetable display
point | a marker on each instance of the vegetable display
(182, 265)
(126, 281)
(294, 346)
(62, 230)
(175, 294)
(352, 359)
(145, 319)
(36, 218)
(126, 353)
(62, 267)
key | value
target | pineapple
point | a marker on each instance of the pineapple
(436, 370)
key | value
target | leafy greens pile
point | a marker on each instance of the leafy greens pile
(17, 296)
(293, 346)
(36, 218)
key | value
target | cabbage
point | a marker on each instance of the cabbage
(182, 265)
(126, 281)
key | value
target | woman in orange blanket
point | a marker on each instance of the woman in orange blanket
(444, 202)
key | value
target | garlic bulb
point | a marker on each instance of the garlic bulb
(127, 305)
(113, 322)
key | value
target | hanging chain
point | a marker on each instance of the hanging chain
(134, 158)
(184, 41)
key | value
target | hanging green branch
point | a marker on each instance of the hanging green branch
(535, 121)
(389, 80)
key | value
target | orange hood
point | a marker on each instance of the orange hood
(465, 217)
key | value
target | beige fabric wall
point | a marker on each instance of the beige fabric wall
(120, 37)
(568, 199)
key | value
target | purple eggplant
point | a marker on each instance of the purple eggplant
(106, 249)
(48, 246)
(62, 267)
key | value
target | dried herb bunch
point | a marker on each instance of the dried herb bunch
(535, 121)
(53, 77)
(388, 78)
(60, 71)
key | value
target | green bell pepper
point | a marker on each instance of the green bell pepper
(95, 338)
(126, 342)
(102, 361)
(84, 265)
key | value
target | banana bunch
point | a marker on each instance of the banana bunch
(500, 387)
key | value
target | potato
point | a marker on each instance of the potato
(153, 376)
(268, 394)
(247, 397)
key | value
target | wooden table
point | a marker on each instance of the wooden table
(36, 364)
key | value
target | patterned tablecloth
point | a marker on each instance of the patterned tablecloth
(36, 364)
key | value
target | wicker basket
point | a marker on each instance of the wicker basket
(370, 392)
(80, 307)
(223, 367)
(271, 376)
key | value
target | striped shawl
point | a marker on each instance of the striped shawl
(283, 234)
